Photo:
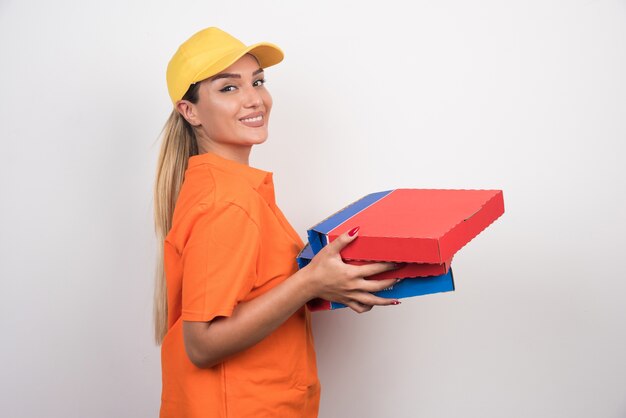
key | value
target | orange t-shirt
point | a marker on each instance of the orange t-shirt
(229, 243)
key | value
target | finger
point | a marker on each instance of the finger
(372, 286)
(366, 298)
(358, 307)
(343, 240)
(367, 270)
(355, 306)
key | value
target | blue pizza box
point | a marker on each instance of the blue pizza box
(409, 287)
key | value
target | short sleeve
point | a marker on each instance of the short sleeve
(219, 263)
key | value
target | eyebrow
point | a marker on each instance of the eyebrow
(233, 75)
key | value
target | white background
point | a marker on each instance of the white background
(528, 97)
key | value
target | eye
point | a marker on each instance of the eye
(259, 82)
(228, 88)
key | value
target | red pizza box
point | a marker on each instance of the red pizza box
(411, 225)
(407, 270)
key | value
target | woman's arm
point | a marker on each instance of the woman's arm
(327, 276)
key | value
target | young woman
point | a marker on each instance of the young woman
(230, 302)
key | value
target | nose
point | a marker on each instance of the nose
(252, 98)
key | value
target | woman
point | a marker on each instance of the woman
(236, 336)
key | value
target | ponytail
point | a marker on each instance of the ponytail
(178, 144)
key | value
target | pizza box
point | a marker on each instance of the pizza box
(409, 287)
(410, 225)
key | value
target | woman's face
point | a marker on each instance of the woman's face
(233, 109)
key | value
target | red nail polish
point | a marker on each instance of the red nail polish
(395, 302)
(354, 231)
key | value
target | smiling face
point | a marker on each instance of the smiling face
(232, 111)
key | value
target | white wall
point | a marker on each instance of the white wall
(525, 96)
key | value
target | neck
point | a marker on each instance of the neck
(238, 153)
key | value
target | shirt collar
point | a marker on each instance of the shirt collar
(254, 176)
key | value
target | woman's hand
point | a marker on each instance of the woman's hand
(332, 279)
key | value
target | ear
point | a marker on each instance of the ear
(188, 111)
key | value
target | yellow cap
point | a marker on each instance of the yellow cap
(207, 53)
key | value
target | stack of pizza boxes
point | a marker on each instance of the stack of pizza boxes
(420, 229)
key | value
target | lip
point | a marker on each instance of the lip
(255, 124)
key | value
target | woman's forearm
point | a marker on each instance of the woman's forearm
(208, 344)
(326, 276)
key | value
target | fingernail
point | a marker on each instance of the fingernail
(353, 231)
(395, 302)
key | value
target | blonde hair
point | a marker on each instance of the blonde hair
(178, 144)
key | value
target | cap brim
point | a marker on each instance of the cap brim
(266, 53)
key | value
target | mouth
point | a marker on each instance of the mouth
(254, 120)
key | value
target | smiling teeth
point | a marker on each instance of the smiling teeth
(255, 119)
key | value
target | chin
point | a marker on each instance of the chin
(257, 140)
(247, 138)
